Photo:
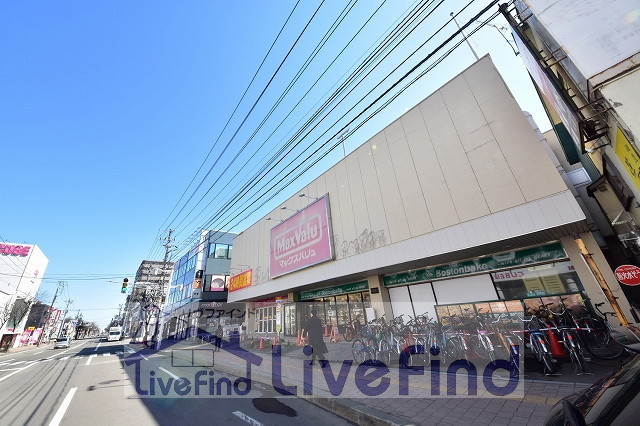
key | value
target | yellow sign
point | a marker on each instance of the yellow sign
(240, 281)
(31, 328)
(629, 156)
(533, 285)
(552, 284)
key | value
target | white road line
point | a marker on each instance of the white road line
(247, 419)
(63, 408)
(17, 371)
(99, 343)
(169, 373)
(39, 352)
(106, 354)
(7, 361)
(63, 358)
(16, 363)
(90, 358)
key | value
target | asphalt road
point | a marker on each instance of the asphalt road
(89, 384)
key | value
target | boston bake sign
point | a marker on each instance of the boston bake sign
(302, 240)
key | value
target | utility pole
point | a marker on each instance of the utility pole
(167, 250)
(464, 35)
(61, 284)
(66, 310)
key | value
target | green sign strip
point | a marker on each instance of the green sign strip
(510, 259)
(334, 291)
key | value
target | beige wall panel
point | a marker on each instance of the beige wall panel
(440, 205)
(461, 181)
(498, 184)
(359, 203)
(348, 234)
(334, 200)
(536, 175)
(413, 201)
(394, 211)
(487, 85)
(378, 219)
(469, 122)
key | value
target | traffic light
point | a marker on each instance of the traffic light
(125, 282)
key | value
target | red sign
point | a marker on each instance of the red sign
(14, 249)
(628, 274)
(242, 280)
(303, 240)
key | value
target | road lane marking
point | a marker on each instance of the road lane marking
(63, 358)
(7, 361)
(90, 358)
(243, 416)
(169, 373)
(99, 343)
(63, 408)
(16, 363)
(17, 371)
(39, 352)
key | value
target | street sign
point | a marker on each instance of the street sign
(628, 274)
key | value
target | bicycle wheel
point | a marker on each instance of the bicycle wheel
(575, 351)
(384, 352)
(449, 352)
(600, 344)
(360, 351)
(348, 334)
(372, 347)
(544, 356)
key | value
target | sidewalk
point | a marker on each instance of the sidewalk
(417, 406)
(24, 348)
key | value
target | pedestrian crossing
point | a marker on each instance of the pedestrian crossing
(13, 364)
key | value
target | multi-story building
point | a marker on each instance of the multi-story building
(21, 269)
(455, 207)
(200, 284)
(583, 57)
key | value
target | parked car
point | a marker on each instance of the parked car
(612, 400)
(62, 342)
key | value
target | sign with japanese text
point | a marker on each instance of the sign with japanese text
(628, 155)
(240, 281)
(628, 274)
(510, 259)
(303, 240)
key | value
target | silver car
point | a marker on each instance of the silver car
(62, 342)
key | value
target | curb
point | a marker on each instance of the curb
(346, 408)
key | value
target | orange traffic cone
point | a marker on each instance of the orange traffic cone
(326, 331)
(334, 334)
(261, 344)
(299, 340)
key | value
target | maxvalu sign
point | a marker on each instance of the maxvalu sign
(510, 259)
(302, 240)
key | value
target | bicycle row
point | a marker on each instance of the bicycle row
(550, 334)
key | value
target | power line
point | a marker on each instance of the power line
(387, 91)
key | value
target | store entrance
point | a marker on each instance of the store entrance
(337, 310)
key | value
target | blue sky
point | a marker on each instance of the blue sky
(110, 107)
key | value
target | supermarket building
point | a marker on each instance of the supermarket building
(455, 206)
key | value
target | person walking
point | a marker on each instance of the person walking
(219, 334)
(314, 333)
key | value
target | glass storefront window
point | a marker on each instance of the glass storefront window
(331, 310)
(355, 307)
(541, 280)
(342, 310)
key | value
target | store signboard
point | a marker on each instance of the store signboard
(628, 274)
(14, 249)
(240, 281)
(548, 252)
(334, 291)
(303, 240)
(629, 156)
(550, 92)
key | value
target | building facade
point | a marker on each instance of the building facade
(455, 206)
(22, 267)
(583, 57)
(199, 285)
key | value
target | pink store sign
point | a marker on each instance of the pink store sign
(303, 240)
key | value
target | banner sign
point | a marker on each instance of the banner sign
(334, 291)
(240, 281)
(628, 274)
(303, 240)
(510, 259)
